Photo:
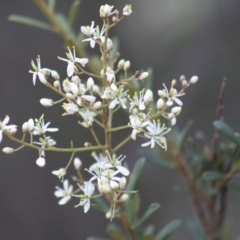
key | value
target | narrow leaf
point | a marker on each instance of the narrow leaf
(166, 232)
(212, 176)
(30, 22)
(51, 4)
(136, 175)
(155, 158)
(148, 232)
(151, 209)
(73, 12)
(227, 131)
(115, 232)
(100, 204)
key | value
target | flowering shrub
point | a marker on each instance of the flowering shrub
(94, 98)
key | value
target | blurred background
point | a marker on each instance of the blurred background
(174, 37)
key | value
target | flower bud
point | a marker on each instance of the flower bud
(70, 96)
(12, 130)
(108, 215)
(55, 75)
(174, 83)
(143, 75)
(30, 125)
(90, 83)
(56, 84)
(96, 89)
(114, 19)
(184, 83)
(176, 110)
(97, 105)
(182, 78)
(87, 144)
(160, 103)
(77, 163)
(126, 65)
(122, 182)
(124, 198)
(121, 64)
(8, 150)
(46, 102)
(76, 79)
(194, 79)
(60, 173)
(25, 127)
(41, 162)
(161, 93)
(148, 97)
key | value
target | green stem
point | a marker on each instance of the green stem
(118, 128)
(120, 145)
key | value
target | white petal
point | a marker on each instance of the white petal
(124, 171)
(70, 69)
(42, 78)
(113, 104)
(178, 101)
(82, 61)
(86, 206)
(64, 200)
(59, 193)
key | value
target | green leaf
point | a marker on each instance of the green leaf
(212, 176)
(166, 232)
(30, 22)
(136, 175)
(227, 131)
(115, 232)
(63, 21)
(155, 158)
(151, 209)
(73, 12)
(148, 232)
(51, 4)
(182, 136)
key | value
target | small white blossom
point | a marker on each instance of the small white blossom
(70, 108)
(88, 117)
(138, 122)
(193, 79)
(4, 128)
(137, 101)
(156, 134)
(60, 173)
(64, 193)
(148, 97)
(127, 10)
(88, 30)
(106, 11)
(143, 75)
(46, 142)
(172, 96)
(90, 83)
(72, 59)
(42, 128)
(88, 190)
(38, 71)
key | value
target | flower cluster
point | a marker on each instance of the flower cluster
(95, 97)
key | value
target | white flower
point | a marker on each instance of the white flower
(138, 122)
(172, 96)
(88, 190)
(88, 30)
(70, 108)
(137, 102)
(117, 95)
(38, 71)
(60, 173)
(72, 59)
(114, 162)
(46, 142)
(106, 11)
(42, 128)
(3, 127)
(127, 10)
(156, 134)
(88, 117)
(64, 193)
